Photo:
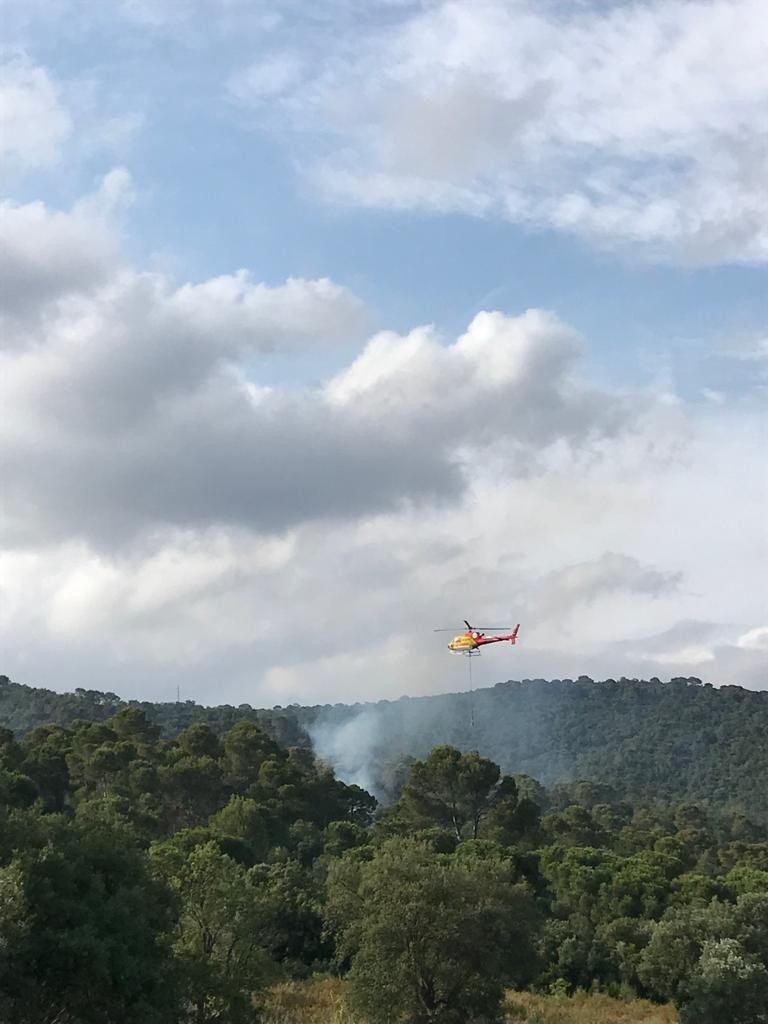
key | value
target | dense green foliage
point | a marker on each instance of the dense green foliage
(648, 740)
(145, 880)
(158, 880)
(431, 938)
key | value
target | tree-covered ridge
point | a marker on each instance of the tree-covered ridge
(648, 740)
(23, 708)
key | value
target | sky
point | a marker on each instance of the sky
(326, 325)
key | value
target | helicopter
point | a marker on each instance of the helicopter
(475, 637)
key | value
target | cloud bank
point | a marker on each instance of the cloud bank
(166, 516)
(134, 404)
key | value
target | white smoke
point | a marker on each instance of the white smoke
(349, 747)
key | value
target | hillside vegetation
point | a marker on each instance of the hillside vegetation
(146, 880)
(645, 739)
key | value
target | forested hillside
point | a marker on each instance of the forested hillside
(151, 881)
(23, 708)
(646, 739)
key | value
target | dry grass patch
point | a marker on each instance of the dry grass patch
(584, 1009)
(317, 1001)
(320, 1001)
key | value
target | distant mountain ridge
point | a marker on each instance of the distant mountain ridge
(644, 738)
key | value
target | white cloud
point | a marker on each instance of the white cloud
(133, 403)
(34, 123)
(692, 656)
(46, 255)
(267, 78)
(755, 639)
(634, 124)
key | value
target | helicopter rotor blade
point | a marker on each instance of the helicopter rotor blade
(453, 629)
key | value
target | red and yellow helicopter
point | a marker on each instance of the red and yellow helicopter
(475, 637)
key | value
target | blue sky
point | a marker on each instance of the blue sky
(435, 163)
(221, 188)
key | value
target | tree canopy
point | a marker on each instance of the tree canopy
(679, 740)
(155, 878)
